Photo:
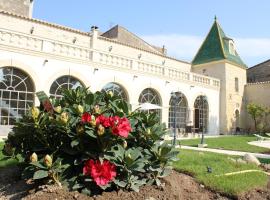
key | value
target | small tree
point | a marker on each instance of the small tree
(256, 111)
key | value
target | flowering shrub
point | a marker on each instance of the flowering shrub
(91, 142)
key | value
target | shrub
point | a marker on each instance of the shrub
(91, 142)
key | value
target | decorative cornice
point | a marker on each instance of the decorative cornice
(141, 49)
(258, 83)
(45, 23)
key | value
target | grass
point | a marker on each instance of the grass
(237, 143)
(195, 163)
(3, 162)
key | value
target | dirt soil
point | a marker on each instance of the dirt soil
(178, 186)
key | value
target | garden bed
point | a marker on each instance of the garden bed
(177, 186)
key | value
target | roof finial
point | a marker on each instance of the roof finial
(215, 18)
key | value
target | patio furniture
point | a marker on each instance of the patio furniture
(261, 138)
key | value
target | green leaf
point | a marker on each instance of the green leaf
(121, 184)
(40, 174)
(89, 99)
(75, 143)
(91, 133)
(86, 191)
(39, 165)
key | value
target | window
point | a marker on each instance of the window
(151, 96)
(117, 90)
(232, 48)
(17, 94)
(236, 84)
(177, 111)
(64, 82)
(201, 111)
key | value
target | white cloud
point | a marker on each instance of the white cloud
(251, 50)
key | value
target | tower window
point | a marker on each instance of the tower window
(236, 84)
(231, 47)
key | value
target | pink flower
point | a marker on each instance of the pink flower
(102, 173)
(86, 117)
(103, 120)
(120, 126)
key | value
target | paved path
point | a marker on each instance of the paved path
(228, 152)
(265, 144)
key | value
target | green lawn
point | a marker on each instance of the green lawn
(5, 163)
(238, 143)
(195, 163)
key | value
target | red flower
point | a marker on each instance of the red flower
(86, 117)
(104, 121)
(120, 126)
(102, 173)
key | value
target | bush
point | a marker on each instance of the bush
(91, 142)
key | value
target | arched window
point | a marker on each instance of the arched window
(201, 111)
(151, 96)
(116, 89)
(64, 82)
(178, 111)
(17, 92)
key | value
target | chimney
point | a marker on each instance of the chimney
(164, 50)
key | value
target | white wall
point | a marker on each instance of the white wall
(44, 75)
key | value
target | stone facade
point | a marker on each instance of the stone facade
(19, 7)
(230, 99)
(45, 52)
(259, 73)
(258, 93)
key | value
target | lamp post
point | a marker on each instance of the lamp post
(202, 144)
(174, 100)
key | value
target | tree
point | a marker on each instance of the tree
(256, 111)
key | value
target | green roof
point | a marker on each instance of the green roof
(216, 46)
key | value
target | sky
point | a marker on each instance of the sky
(180, 25)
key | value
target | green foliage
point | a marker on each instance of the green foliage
(196, 163)
(237, 143)
(256, 111)
(57, 145)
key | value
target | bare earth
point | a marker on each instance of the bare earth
(178, 186)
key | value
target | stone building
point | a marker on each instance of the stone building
(205, 95)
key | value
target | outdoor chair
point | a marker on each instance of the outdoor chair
(261, 138)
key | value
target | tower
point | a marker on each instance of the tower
(217, 57)
(19, 7)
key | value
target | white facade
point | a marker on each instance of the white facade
(46, 52)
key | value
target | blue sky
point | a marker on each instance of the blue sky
(180, 25)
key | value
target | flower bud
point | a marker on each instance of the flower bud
(64, 117)
(48, 161)
(148, 131)
(110, 93)
(79, 129)
(33, 157)
(100, 130)
(58, 109)
(80, 109)
(129, 156)
(35, 112)
(124, 144)
(96, 109)
(93, 121)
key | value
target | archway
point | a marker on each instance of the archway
(117, 90)
(17, 92)
(178, 111)
(149, 95)
(64, 82)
